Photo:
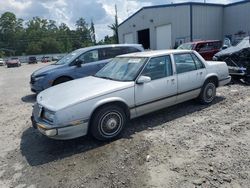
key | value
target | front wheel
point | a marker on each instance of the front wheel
(208, 92)
(108, 122)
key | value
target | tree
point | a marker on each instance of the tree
(92, 32)
(40, 36)
(114, 27)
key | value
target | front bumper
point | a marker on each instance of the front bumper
(12, 65)
(60, 132)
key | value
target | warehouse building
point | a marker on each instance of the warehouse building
(167, 26)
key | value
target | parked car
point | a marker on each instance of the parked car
(77, 64)
(206, 49)
(13, 62)
(32, 60)
(55, 58)
(129, 86)
(238, 60)
(45, 59)
(2, 62)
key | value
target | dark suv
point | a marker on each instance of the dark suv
(206, 48)
(77, 64)
(32, 60)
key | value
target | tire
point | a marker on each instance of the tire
(208, 92)
(61, 80)
(108, 122)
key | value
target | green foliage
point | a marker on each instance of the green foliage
(42, 36)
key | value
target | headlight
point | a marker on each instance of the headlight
(48, 115)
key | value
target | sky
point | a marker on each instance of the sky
(102, 12)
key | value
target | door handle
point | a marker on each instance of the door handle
(201, 73)
(172, 79)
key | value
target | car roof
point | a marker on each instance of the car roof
(110, 45)
(155, 53)
(202, 41)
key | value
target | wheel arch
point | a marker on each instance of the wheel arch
(112, 101)
(214, 78)
(61, 76)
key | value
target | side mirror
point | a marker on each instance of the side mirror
(143, 79)
(78, 62)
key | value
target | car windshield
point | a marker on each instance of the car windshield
(69, 57)
(186, 46)
(122, 68)
(14, 58)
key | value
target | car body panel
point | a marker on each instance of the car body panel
(72, 71)
(206, 48)
(76, 101)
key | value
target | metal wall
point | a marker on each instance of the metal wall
(237, 19)
(207, 22)
(177, 16)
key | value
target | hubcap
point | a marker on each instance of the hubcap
(209, 92)
(111, 123)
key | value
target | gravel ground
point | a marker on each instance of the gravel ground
(188, 145)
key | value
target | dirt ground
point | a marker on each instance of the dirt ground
(188, 145)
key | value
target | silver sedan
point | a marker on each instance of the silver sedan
(129, 86)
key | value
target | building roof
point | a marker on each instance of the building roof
(181, 4)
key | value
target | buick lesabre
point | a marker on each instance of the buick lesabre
(129, 86)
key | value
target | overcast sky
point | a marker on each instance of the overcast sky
(68, 11)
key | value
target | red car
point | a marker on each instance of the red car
(13, 62)
(45, 59)
(207, 49)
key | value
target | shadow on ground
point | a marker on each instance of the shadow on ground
(29, 98)
(38, 149)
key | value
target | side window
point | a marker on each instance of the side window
(201, 47)
(90, 56)
(198, 62)
(184, 63)
(131, 50)
(107, 53)
(158, 67)
(217, 45)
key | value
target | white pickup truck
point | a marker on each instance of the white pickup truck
(129, 86)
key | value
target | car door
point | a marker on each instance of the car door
(90, 63)
(161, 91)
(190, 77)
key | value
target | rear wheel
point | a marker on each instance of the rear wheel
(108, 122)
(208, 92)
(61, 80)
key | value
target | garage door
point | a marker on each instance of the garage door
(128, 38)
(163, 37)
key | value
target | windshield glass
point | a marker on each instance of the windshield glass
(122, 68)
(69, 57)
(186, 46)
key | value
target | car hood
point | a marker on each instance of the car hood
(79, 90)
(46, 69)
